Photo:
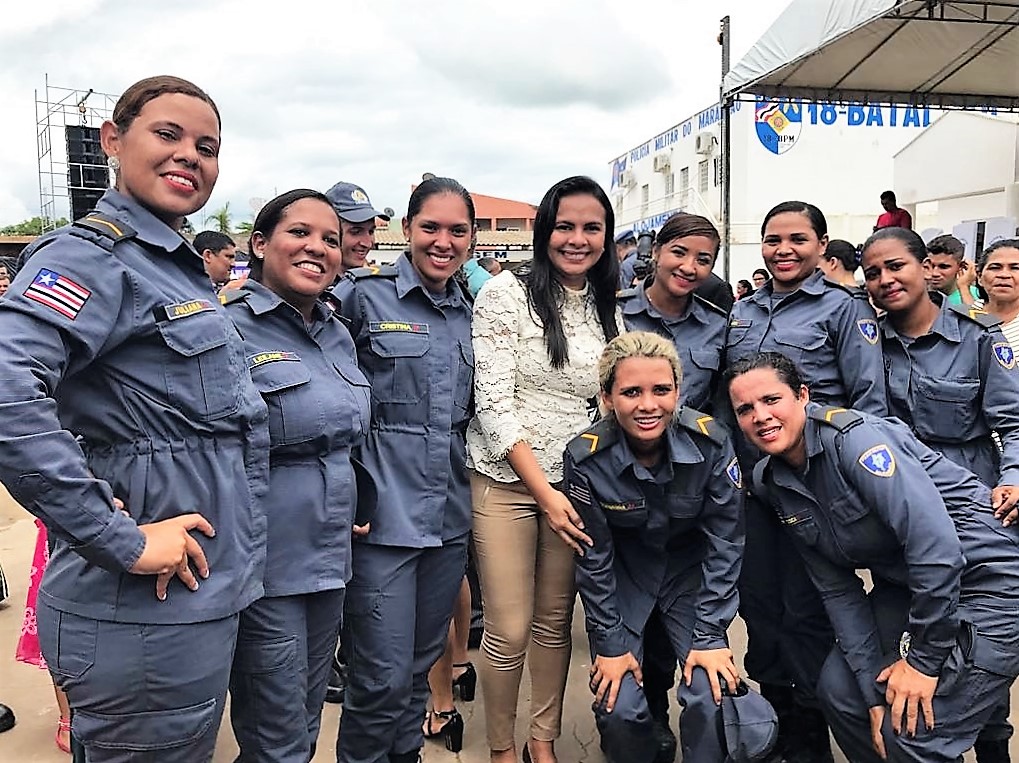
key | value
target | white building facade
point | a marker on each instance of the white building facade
(837, 156)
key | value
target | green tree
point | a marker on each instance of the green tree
(221, 219)
(245, 228)
(32, 227)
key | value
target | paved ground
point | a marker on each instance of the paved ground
(28, 691)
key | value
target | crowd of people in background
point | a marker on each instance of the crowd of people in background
(253, 486)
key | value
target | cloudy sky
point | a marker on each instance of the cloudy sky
(508, 97)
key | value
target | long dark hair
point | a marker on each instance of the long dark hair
(545, 295)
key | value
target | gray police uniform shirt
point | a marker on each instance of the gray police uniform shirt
(111, 334)
(873, 497)
(698, 334)
(956, 385)
(415, 349)
(659, 535)
(828, 330)
(318, 417)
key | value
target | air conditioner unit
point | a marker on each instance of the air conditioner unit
(663, 162)
(705, 143)
(627, 179)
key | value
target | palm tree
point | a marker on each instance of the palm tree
(221, 219)
(245, 228)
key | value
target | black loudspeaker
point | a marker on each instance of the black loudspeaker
(86, 162)
(83, 201)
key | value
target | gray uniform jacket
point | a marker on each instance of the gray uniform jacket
(873, 497)
(828, 330)
(956, 385)
(112, 333)
(662, 535)
(318, 414)
(699, 337)
(415, 349)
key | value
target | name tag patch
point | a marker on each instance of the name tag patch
(189, 308)
(637, 503)
(271, 357)
(377, 327)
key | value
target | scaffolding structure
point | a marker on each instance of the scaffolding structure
(54, 111)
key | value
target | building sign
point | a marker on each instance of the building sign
(779, 122)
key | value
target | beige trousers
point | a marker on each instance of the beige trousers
(528, 591)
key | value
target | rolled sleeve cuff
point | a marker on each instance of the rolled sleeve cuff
(928, 659)
(611, 642)
(118, 547)
(708, 638)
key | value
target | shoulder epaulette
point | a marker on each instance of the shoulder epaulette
(710, 305)
(702, 424)
(840, 418)
(372, 271)
(229, 296)
(596, 437)
(626, 293)
(853, 291)
(102, 230)
(976, 315)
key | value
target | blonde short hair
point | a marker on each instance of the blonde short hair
(636, 344)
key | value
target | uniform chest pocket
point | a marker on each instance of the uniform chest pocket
(465, 375)
(683, 506)
(706, 360)
(201, 380)
(398, 373)
(361, 391)
(803, 346)
(802, 525)
(945, 409)
(294, 413)
(740, 337)
(623, 516)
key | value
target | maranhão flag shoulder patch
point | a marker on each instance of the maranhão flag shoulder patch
(58, 293)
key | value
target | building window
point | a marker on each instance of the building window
(702, 171)
(670, 184)
(645, 195)
(684, 186)
(717, 171)
(619, 205)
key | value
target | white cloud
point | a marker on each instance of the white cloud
(507, 97)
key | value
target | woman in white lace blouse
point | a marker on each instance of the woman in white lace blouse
(537, 341)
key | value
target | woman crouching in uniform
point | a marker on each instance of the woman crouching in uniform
(951, 377)
(122, 375)
(302, 360)
(658, 489)
(411, 324)
(923, 660)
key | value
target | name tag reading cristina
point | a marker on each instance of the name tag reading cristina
(377, 327)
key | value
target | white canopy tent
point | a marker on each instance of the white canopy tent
(939, 53)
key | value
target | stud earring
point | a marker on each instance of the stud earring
(113, 163)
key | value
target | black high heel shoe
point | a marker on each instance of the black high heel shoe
(466, 683)
(452, 731)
